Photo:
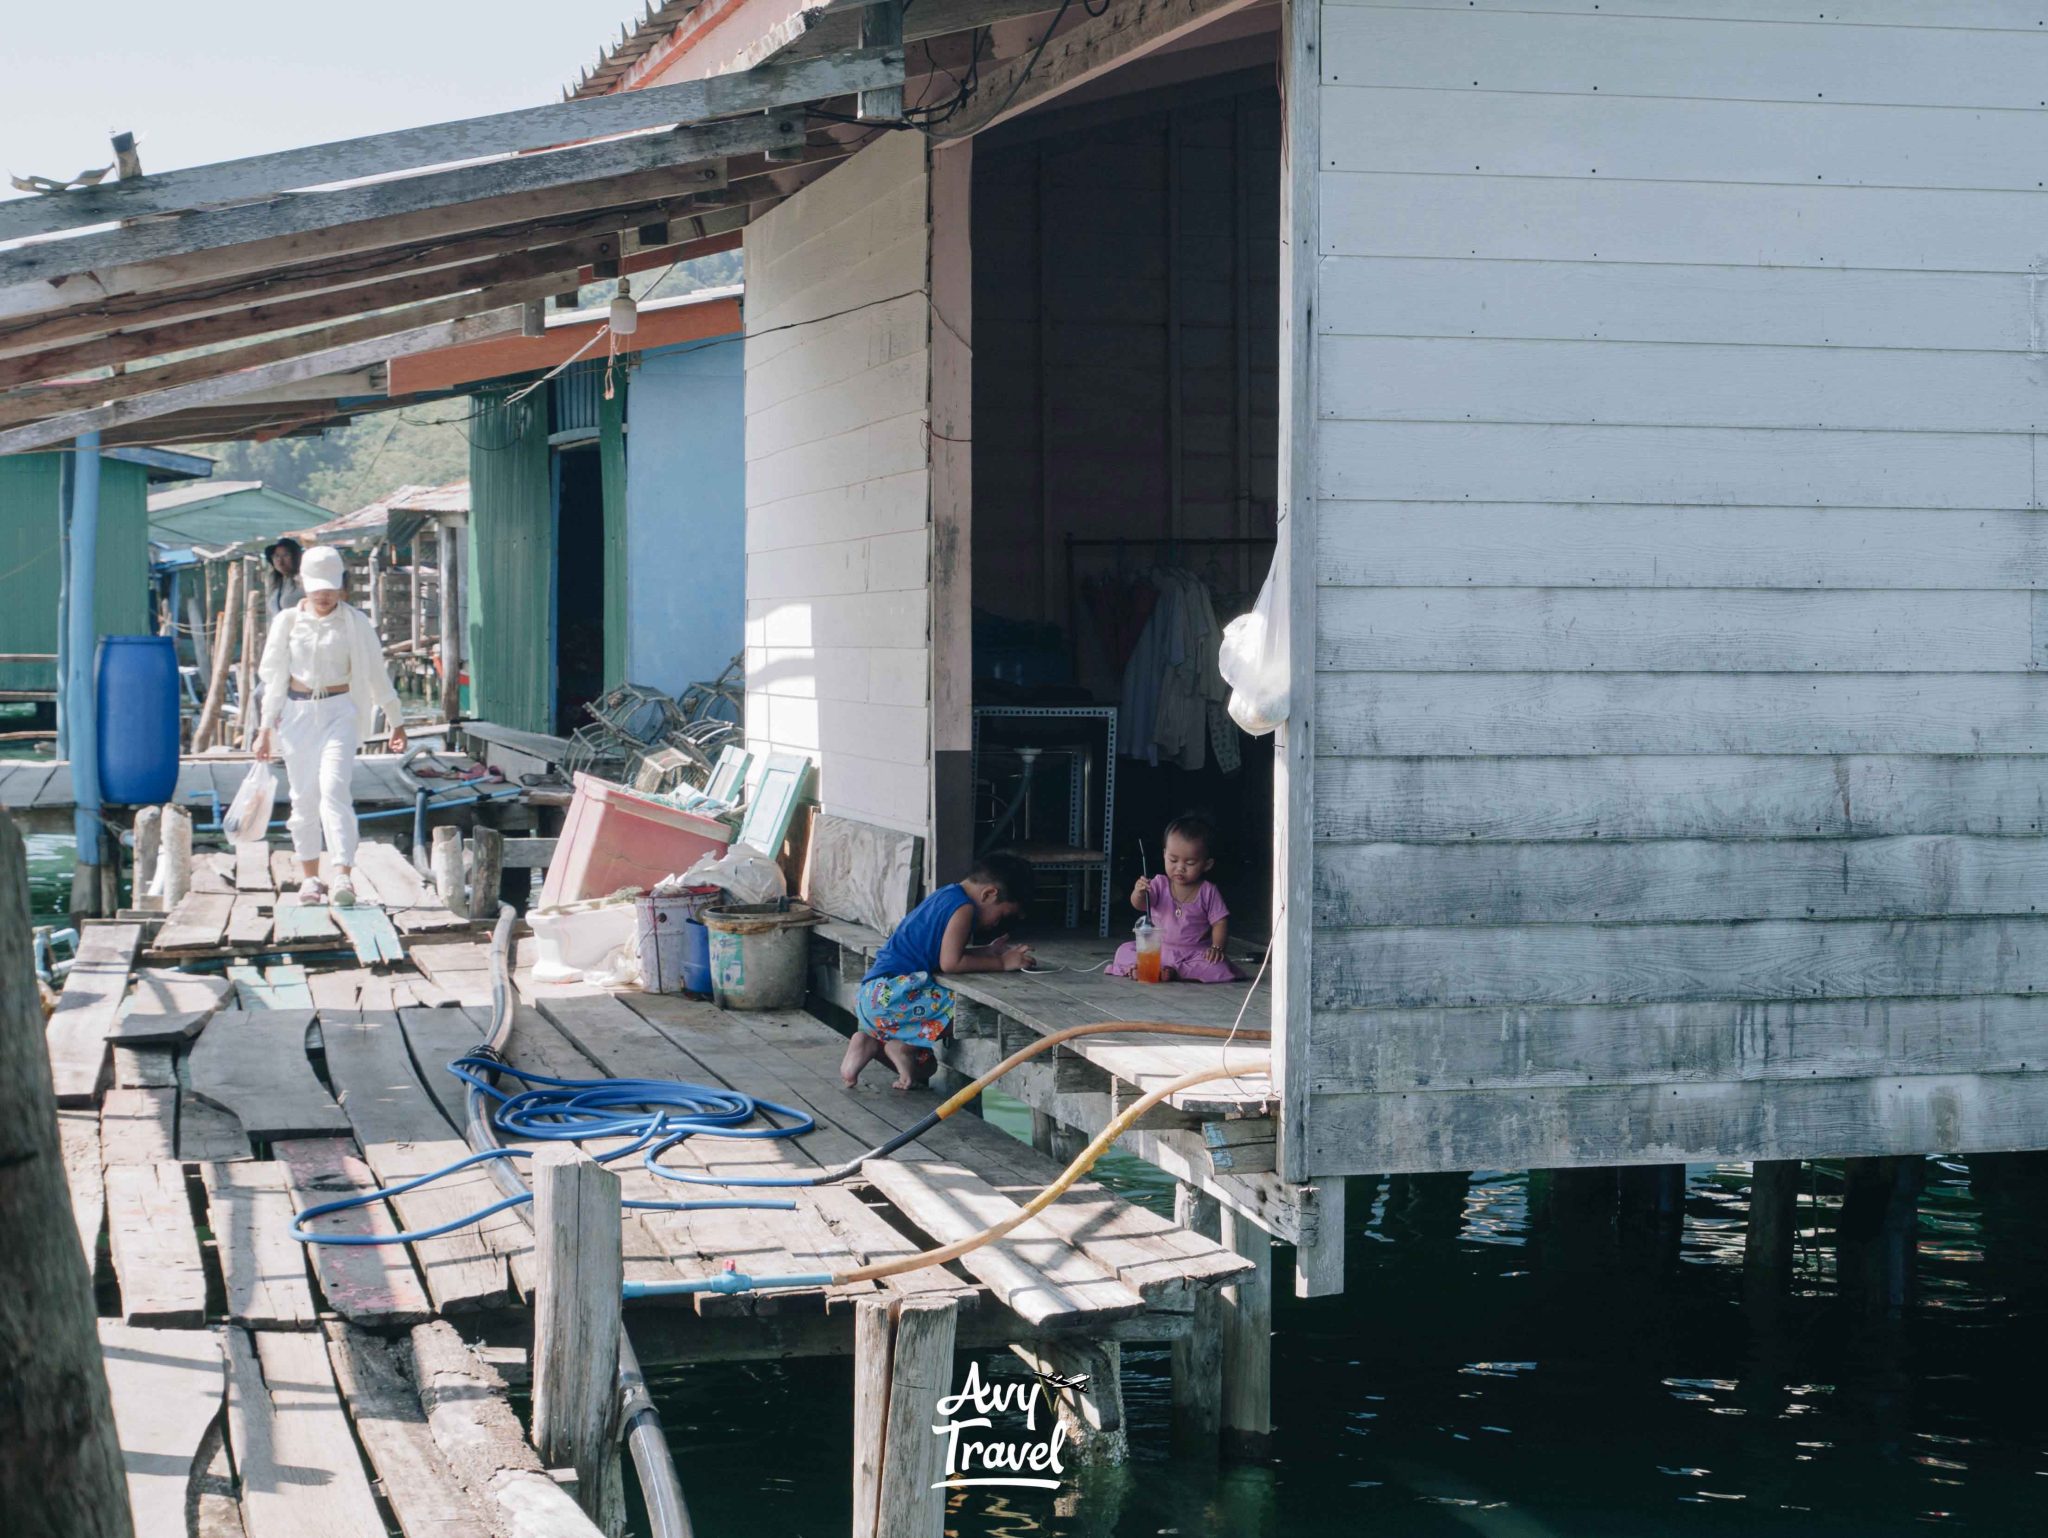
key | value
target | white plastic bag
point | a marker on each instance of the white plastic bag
(248, 817)
(1253, 661)
(744, 871)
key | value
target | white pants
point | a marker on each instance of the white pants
(317, 739)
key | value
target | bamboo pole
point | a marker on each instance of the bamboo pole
(252, 652)
(223, 649)
(450, 599)
(60, 1461)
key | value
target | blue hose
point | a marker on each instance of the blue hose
(656, 1114)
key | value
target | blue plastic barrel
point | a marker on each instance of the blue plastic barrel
(138, 719)
(696, 958)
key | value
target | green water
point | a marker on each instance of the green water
(1471, 1381)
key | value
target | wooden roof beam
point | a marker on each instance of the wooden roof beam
(1091, 47)
(260, 177)
(334, 360)
(36, 403)
(32, 276)
(430, 261)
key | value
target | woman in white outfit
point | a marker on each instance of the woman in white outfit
(324, 680)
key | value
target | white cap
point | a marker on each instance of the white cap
(320, 570)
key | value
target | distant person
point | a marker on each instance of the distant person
(902, 1006)
(281, 575)
(324, 681)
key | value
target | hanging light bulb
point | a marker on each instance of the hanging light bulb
(625, 314)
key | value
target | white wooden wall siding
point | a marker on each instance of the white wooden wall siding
(838, 486)
(1682, 568)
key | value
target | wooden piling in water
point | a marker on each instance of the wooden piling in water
(60, 1462)
(1197, 1387)
(1876, 1233)
(1247, 1340)
(903, 1366)
(1773, 1225)
(1092, 1408)
(486, 867)
(576, 1326)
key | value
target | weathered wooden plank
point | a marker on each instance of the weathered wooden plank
(213, 872)
(263, 1266)
(1805, 61)
(1708, 1041)
(1644, 963)
(301, 1474)
(168, 1007)
(297, 922)
(1433, 713)
(145, 1068)
(207, 1133)
(1033, 1270)
(398, 884)
(249, 924)
(87, 1009)
(155, 1246)
(288, 987)
(197, 922)
(1420, 629)
(138, 1126)
(1554, 219)
(284, 870)
(375, 1380)
(1639, 797)
(1678, 880)
(1669, 1123)
(1704, 138)
(532, 128)
(252, 868)
(1746, 467)
(79, 1133)
(370, 932)
(370, 1285)
(252, 1064)
(403, 1134)
(166, 1387)
(1674, 302)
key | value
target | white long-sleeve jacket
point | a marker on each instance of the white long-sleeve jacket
(322, 651)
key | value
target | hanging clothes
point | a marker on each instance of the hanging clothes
(1173, 690)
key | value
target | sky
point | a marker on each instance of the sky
(206, 80)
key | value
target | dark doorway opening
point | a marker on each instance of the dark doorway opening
(579, 585)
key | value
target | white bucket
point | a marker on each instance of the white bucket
(566, 945)
(760, 959)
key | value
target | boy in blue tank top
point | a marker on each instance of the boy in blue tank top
(902, 1007)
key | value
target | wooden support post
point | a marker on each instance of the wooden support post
(577, 1325)
(903, 1366)
(881, 26)
(223, 650)
(449, 598)
(1874, 1240)
(174, 852)
(60, 1462)
(448, 869)
(1092, 1410)
(486, 867)
(1650, 1212)
(415, 596)
(1197, 1388)
(1773, 1224)
(149, 829)
(252, 652)
(1247, 1340)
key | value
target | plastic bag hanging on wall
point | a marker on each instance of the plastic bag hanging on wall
(1253, 660)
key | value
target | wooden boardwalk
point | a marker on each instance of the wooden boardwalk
(37, 792)
(274, 1388)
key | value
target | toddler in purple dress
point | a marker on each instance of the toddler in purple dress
(1193, 921)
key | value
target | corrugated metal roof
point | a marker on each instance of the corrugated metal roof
(197, 491)
(636, 40)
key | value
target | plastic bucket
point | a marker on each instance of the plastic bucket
(662, 931)
(696, 957)
(760, 958)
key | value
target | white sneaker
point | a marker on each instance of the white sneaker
(312, 893)
(344, 893)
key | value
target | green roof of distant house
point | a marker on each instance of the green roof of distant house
(215, 513)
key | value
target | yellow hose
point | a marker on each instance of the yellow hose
(1046, 1043)
(1118, 1125)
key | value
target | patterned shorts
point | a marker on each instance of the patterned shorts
(912, 1008)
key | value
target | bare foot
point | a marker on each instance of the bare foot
(861, 1049)
(901, 1084)
(913, 1064)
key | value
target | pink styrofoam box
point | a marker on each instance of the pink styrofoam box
(614, 838)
